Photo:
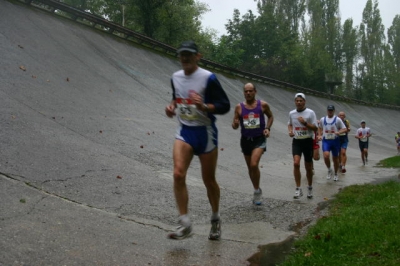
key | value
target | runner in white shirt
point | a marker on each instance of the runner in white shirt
(197, 96)
(363, 134)
(330, 127)
(301, 126)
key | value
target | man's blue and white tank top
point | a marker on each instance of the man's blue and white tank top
(330, 126)
(198, 82)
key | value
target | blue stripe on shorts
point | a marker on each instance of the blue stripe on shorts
(203, 139)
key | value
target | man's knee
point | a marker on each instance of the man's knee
(210, 182)
(179, 176)
(296, 165)
(253, 166)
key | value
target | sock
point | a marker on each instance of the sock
(215, 216)
(185, 220)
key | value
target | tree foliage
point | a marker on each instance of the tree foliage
(298, 41)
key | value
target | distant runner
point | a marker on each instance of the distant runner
(363, 134)
(344, 142)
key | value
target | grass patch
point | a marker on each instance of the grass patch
(393, 162)
(363, 228)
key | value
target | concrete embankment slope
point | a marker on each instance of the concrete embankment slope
(85, 154)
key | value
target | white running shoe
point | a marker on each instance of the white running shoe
(309, 193)
(181, 232)
(330, 174)
(298, 193)
(335, 178)
(257, 197)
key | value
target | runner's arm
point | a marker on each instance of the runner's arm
(215, 97)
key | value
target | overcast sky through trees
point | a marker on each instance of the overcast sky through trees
(222, 10)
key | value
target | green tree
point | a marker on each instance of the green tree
(293, 11)
(394, 41)
(242, 42)
(322, 42)
(180, 20)
(372, 53)
(350, 55)
(279, 21)
(394, 73)
(226, 52)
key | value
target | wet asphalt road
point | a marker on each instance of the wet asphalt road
(85, 162)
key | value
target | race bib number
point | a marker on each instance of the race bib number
(330, 136)
(301, 133)
(363, 138)
(251, 121)
(187, 109)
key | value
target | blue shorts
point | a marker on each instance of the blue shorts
(331, 145)
(203, 139)
(344, 141)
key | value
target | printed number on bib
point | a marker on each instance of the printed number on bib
(302, 134)
(330, 136)
(187, 109)
(251, 121)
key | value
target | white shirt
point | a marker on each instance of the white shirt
(197, 82)
(300, 131)
(362, 132)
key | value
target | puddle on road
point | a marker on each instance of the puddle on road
(272, 254)
(275, 253)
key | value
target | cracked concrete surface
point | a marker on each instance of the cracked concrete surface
(85, 155)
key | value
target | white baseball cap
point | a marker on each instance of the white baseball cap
(300, 95)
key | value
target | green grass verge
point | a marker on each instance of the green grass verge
(393, 162)
(363, 228)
